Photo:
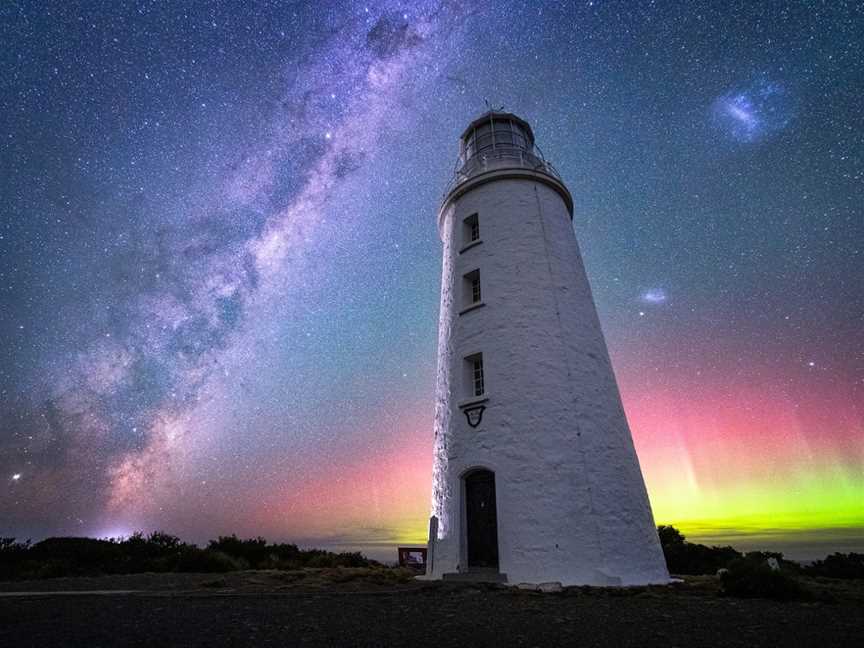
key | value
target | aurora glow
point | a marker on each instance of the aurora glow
(219, 266)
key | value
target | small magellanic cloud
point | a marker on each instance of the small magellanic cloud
(653, 296)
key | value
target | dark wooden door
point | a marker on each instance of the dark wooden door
(482, 519)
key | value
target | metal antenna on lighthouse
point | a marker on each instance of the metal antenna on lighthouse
(491, 108)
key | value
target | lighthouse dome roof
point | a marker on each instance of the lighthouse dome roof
(493, 116)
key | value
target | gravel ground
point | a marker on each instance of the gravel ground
(269, 609)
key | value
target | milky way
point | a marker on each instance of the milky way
(219, 272)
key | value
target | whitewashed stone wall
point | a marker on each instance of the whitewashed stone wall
(571, 502)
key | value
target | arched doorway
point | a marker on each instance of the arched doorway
(481, 518)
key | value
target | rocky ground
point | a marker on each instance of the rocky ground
(362, 607)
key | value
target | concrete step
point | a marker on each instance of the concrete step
(477, 576)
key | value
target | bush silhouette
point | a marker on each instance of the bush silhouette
(193, 559)
(670, 536)
(158, 552)
(753, 578)
(838, 565)
(254, 551)
(684, 557)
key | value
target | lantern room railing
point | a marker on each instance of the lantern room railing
(501, 156)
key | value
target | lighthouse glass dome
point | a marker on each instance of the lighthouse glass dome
(498, 139)
(501, 131)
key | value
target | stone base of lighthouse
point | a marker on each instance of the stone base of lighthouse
(543, 526)
(538, 542)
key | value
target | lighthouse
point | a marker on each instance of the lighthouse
(535, 475)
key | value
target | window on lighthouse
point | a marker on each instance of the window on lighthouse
(471, 288)
(475, 374)
(472, 229)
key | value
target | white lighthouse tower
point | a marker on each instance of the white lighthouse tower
(535, 476)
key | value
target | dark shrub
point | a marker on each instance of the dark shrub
(684, 557)
(753, 578)
(13, 555)
(79, 555)
(838, 565)
(253, 551)
(285, 552)
(352, 559)
(9, 548)
(158, 552)
(763, 556)
(319, 559)
(670, 536)
(52, 569)
(193, 559)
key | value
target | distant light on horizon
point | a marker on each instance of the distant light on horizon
(113, 534)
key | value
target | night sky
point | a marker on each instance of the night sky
(220, 270)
